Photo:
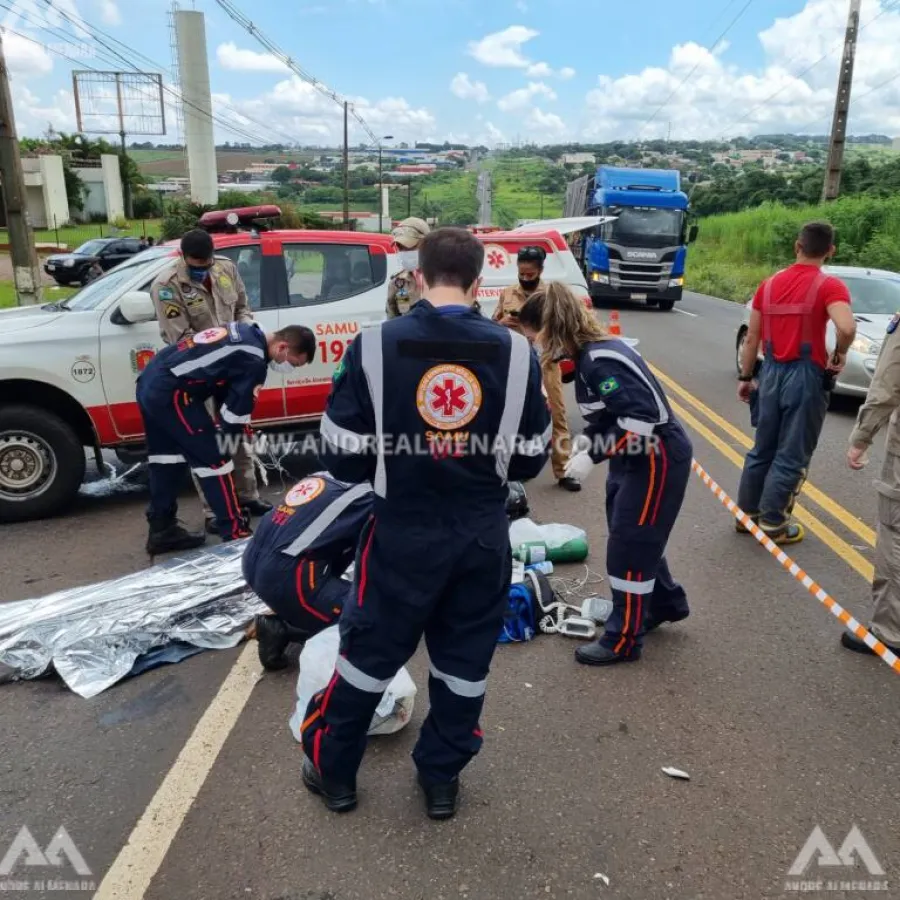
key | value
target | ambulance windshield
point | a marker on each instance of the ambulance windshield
(91, 296)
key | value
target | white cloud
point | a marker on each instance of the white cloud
(539, 70)
(25, 57)
(466, 89)
(523, 97)
(566, 72)
(231, 57)
(503, 49)
(546, 127)
(719, 99)
(299, 111)
(35, 115)
(109, 12)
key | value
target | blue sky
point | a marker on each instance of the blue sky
(492, 71)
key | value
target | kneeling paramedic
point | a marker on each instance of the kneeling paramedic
(228, 365)
(629, 423)
(296, 557)
(789, 318)
(438, 409)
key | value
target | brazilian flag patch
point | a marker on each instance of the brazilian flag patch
(609, 386)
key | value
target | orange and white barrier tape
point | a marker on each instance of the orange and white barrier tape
(818, 592)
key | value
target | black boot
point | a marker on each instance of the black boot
(570, 484)
(167, 536)
(651, 624)
(272, 636)
(257, 507)
(338, 798)
(597, 654)
(441, 798)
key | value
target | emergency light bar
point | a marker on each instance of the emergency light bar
(232, 220)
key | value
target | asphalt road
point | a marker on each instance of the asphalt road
(780, 729)
(485, 198)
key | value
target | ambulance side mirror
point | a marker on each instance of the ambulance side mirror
(137, 306)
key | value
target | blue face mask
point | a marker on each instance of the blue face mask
(198, 275)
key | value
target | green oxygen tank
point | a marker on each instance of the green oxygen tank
(573, 551)
(531, 552)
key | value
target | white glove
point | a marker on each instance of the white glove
(579, 466)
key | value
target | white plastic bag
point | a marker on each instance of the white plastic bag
(524, 531)
(316, 668)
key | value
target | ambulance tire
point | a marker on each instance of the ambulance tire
(55, 457)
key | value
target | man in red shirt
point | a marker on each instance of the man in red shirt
(789, 318)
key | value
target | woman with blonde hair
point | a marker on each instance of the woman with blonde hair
(629, 423)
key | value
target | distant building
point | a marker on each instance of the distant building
(577, 159)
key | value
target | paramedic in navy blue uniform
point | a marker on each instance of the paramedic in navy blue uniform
(629, 422)
(296, 557)
(438, 410)
(228, 365)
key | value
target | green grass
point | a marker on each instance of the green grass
(8, 294)
(517, 190)
(75, 235)
(736, 251)
(145, 156)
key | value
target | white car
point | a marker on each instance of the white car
(68, 370)
(875, 298)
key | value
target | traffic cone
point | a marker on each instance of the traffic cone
(614, 327)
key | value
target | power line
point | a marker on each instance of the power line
(67, 39)
(809, 68)
(279, 54)
(93, 33)
(687, 77)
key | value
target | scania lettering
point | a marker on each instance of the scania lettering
(639, 254)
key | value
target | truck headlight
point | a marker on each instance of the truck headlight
(676, 282)
(69, 263)
(865, 346)
(599, 278)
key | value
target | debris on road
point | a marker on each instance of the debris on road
(599, 876)
(94, 636)
(676, 773)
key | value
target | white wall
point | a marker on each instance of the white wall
(56, 201)
(112, 187)
(193, 67)
(34, 198)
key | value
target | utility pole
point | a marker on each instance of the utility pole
(26, 268)
(841, 108)
(126, 185)
(346, 168)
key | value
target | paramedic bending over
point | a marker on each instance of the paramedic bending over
(629, 422)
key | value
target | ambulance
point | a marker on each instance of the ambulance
(68, 369)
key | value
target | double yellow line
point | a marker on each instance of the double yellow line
(813, 524)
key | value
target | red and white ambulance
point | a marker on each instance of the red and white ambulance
(68, 369)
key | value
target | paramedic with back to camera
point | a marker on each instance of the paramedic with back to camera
(438, 409)
(789, 319)
(227, 365)
(629, 423)
(296, 557)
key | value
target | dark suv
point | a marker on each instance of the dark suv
(78, 267)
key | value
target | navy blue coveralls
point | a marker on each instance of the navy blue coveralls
(631, 424)
(791, 405)
(438, 409)
(300, 550)
(228, 364)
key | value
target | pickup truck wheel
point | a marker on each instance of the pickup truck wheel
(739, 350)
(41, 463)
(667, 305)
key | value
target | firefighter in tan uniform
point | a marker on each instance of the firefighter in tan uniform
(881, 406)
(404, 291)
(531, 266)
(202, 291)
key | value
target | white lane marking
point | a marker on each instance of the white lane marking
(139, 860)
(684, 312)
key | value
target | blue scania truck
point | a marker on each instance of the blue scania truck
(640, 255)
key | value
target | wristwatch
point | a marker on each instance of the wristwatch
(745, 378)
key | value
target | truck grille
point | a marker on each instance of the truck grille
(632, 274)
